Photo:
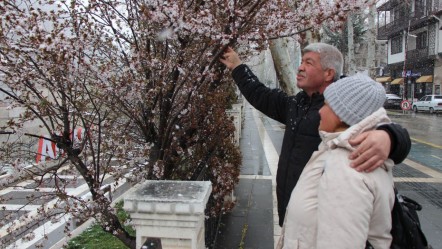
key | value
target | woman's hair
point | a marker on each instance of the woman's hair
(330, 56)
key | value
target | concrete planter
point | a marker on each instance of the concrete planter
(170, 213)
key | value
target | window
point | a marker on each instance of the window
(397, 13)
(396, 45)
(419, 8)
(421, 40)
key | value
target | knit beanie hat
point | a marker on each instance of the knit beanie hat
(354, 98)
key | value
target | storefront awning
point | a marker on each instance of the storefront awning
(425, 79)
(383, 79)
(397, 81)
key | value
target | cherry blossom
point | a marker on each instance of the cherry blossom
(143, 79)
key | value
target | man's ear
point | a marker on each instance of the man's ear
(329, 75)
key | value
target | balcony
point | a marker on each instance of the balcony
(419, 18)
(417, 55)
(392, 28)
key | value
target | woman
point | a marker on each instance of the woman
(333, 206)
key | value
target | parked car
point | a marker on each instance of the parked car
(392, 101)
(431, 103)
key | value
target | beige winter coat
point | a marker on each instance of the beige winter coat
(333, 205)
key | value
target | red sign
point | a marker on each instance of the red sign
(48, 150)
(405, 105)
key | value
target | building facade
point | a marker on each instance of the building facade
(414, 46)
(361, 53)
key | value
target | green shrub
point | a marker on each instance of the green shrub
(96, 238)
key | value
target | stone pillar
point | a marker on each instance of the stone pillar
(236, 113)
(169, 211)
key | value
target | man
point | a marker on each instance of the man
(321, 65)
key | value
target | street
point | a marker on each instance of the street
(422, 126)
(420, 175)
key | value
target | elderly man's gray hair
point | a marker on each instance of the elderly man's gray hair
(330, 56)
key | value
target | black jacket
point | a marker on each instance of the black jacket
(300, 114)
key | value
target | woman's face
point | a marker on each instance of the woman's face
(330, 122)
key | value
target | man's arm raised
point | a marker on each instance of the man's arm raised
(230, 58)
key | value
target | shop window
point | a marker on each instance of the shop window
(437, 90)
(429, 88)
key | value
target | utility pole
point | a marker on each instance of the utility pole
(404, 72)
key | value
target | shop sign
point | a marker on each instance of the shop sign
(409, 73)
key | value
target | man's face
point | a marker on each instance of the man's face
(311, 76)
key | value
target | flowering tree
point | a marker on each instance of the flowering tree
(142, 80)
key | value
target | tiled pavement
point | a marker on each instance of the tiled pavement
(252, 224)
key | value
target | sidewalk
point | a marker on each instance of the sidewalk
(252, 224)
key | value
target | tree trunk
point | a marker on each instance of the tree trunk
(285, 52)
(113, 225)
(371, 40)
(351, 48)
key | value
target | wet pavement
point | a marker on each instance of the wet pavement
(424, 127)
(252, 224)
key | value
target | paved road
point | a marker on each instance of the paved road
(422, 171)
(423, 127)
(426, 134)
